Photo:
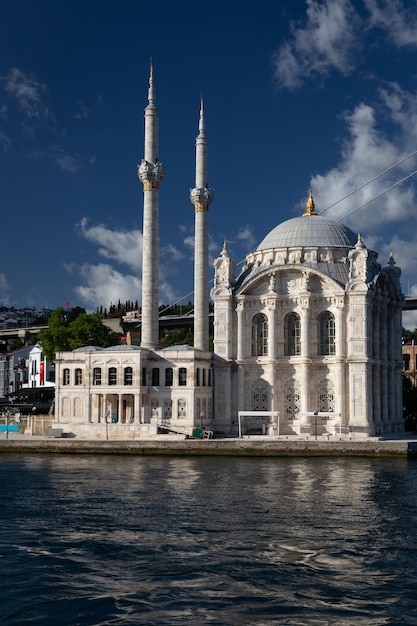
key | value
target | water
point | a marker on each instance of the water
(115, 540)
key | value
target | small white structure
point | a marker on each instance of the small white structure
(40, 371)
(129, 391)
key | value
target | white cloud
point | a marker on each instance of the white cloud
(333, 35)
(4, 141)
(397, 18)
(189, 243)
(172, 252)
(366, 152)
(328, 41)
(28, 93)
(245, 236)
(66, 161)
(82, 111)
(104, 285)
(4, 291)
(123, 246)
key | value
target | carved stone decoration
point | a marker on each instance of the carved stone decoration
(154, 407)
(201, 198)
(150, 174)
(305, 281)
(224, 272)
(326, 396)
(292, 398)
(290, 285)
(182, 408)
(260, 395)
(357, 267)
(167, 409)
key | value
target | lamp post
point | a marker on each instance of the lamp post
(315, 422)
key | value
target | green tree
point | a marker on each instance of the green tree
(71, 329)
(89, 330)
(409, 335)
(178, 336)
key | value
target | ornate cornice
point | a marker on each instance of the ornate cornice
(150, 174)
(201, 198)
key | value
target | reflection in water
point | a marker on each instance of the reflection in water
(128, 540)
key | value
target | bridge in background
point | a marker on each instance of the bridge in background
(165, 322)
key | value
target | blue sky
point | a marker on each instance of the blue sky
(320, 93)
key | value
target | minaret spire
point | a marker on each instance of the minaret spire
(150, 173)
(201, 196)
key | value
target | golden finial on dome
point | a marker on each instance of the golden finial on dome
(310, 205)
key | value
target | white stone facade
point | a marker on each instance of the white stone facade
(306, 329)
(130, 392)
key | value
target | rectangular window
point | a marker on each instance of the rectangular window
(78, 376)
(112, 376)
(182, 377)
(169, 377)
(128, 376)
(155, 377)
(66, 376)
(97, 376)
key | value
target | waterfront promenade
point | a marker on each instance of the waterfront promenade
(402, 446)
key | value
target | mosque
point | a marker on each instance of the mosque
(307, 338)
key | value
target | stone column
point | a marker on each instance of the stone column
(150, 173)
(201, 197)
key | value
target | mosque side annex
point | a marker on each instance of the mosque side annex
(307, 337)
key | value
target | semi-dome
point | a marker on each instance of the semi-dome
(309, 229)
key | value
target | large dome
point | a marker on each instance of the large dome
(309, 230)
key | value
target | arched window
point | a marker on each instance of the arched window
(182, 376)
(326, 396)
(66, 376)
(292, 335)
(260, 335)
(292, 395)
(78, 376)
(155, 377)
(112, 376)
(260, 395)
(128, 376)
(327, 334)
(97, 376)
(169, 377)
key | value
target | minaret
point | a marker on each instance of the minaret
(150, 173)
(201, 196)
